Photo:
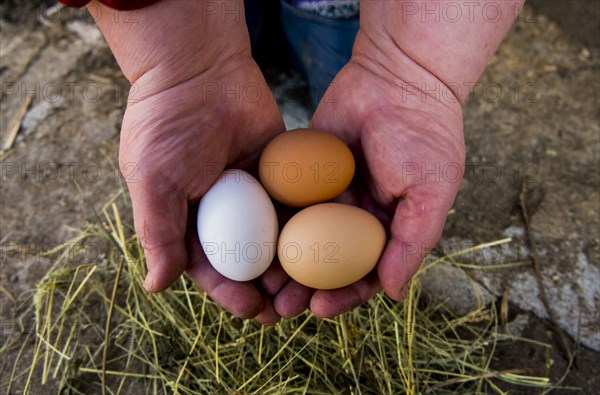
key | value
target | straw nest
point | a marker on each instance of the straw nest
(97, 331)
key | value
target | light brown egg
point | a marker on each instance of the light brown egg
(330, 245)
(306, 166)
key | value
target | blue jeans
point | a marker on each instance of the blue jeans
(320, 46)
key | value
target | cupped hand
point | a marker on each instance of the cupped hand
(174, 144)
(410, 154)
(198, 104)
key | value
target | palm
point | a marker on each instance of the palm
(191, 132)
(409, 165)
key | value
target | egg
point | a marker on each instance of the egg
(330, 245)
(306, 166)
(237, 226)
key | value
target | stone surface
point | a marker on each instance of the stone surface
(544, 124)
(455, 288)
(288, 88)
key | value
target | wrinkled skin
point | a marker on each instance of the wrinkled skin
(178, 135)
(178, 142)
(395, 139)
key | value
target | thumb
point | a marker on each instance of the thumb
(160, 217)
(416, 228)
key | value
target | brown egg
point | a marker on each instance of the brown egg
(305, 166)
(330, 245)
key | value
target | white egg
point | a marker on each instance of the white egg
(237, 226)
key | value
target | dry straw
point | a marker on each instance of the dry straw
(98, 331)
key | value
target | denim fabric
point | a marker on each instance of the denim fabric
(320, 46)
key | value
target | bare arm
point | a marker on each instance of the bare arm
(453, 41)
(173, 40)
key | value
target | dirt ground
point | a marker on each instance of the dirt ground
(535, 112)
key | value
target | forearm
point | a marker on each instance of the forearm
(453, 41)
(175, 39)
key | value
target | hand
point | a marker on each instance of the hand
(410, 155)
(180, 142)
(200, 105)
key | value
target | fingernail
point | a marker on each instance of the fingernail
(149, 283)
(403, 292)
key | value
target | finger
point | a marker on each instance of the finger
(273, 279)
(293, 299)
(160, 218)
(268, 316)
(331, 303)
(417, 225)
(241, 299)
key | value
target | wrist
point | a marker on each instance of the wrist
(175, 40)
(404, 82)
(452, 41)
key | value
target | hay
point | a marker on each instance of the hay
(98, 331)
